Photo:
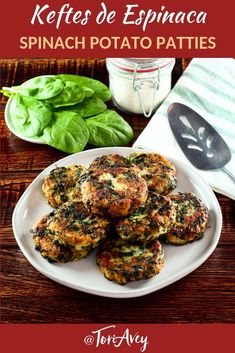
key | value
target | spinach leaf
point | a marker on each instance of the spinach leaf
(89, 107)
(88, 91)
(29, 116)
(40, 87)
(108, 129)
(6, 91)
(67, 132)
(101, 91)
(18, 110)
(71, 94)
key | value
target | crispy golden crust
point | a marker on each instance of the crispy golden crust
(62, 184)
(114, 191)
(110, 161)
(191, 219)
(122, 263)
(158, 171)
(70, 232)
(149, 221)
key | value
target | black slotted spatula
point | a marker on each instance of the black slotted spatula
(199, 141)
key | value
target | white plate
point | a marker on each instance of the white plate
(84, 275)
(11, 127)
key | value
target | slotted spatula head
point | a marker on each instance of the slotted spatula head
(199, 141)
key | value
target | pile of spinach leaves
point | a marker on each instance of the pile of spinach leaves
(66, 112)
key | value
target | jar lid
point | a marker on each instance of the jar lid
(141, 64)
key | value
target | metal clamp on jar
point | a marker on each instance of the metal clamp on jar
(139, 85)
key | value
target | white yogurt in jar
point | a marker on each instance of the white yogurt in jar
(139, 85)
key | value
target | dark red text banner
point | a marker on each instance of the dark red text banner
(93, 338)
(91, 28)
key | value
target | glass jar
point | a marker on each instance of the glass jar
(139, 85)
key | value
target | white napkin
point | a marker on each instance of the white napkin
(208, 87)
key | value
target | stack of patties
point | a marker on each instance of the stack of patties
(115, 186)
(134, 252)
(70, 232)
(123, 207)
(191, 215)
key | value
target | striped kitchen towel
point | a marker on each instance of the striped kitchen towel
(208, 87)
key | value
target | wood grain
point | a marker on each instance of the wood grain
(205, 296)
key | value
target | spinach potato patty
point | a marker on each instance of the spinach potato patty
(191, 219)
(158, 171)
(69, 233)
(122, 263)
(62, 184)
(149, 221)
(110, 161)
(114, 191)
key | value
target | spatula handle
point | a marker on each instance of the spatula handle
(228, 173)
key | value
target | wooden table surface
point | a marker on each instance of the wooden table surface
(205, 296)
